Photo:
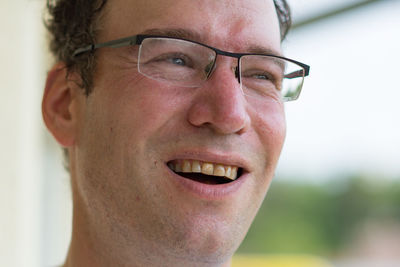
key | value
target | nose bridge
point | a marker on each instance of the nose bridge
(222, 103)
(220, 56)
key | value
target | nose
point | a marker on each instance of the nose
(220, 104)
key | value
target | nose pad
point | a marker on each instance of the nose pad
(237, 74)
(209, 69)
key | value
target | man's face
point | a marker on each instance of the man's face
(131, 127)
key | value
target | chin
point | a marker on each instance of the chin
(215, 244)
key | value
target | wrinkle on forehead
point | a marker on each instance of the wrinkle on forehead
(227, 24)
(237, 15)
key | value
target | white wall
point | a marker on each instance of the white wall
(24, 143)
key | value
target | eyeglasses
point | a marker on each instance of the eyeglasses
(188, 63)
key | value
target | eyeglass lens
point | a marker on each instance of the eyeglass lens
(189, 64)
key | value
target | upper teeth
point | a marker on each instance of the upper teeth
(208, 168)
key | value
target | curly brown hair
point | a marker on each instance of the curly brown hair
(74, 23)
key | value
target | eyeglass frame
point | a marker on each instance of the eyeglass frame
(139, 38)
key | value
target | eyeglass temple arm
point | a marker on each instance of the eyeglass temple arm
(295, 74)
(299, 73)
(114, 44)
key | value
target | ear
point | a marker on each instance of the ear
(59, 105)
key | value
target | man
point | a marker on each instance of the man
(171, 113)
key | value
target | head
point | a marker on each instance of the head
(127, 135)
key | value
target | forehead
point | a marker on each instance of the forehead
(227, 24)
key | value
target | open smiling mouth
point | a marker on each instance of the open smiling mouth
(205, 172)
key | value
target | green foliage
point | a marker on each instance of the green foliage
(319, 219)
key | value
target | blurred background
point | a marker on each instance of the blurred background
(336, 194)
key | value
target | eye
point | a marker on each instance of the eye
(259, 75)
(262, 76)
(177, 61)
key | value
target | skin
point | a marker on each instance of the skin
(127, 209)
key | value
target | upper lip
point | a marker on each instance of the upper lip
(224, 158)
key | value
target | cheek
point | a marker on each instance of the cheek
(139, 107)
(270, 125)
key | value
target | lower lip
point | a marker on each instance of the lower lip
(208, 191)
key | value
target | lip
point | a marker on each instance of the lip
(207, 191)
(229, 159)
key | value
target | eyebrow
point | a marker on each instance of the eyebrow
(176, 33)
(256, 49)
(194, 36)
